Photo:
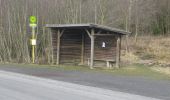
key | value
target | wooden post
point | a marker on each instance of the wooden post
(82, 49)
(51, 42)
(58, 47)
(118, 46)
(91, 35)
(92, 49)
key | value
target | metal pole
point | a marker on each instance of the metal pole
(33, 46)
(33, 25)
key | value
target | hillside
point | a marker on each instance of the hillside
(150, 51)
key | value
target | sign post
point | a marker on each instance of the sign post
(33, 25)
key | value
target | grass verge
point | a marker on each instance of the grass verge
(136, 70)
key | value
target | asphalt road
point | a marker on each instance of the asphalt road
(23, 87)
(129, 84)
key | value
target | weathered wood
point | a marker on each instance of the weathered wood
(82, 49)
(58, 47)
(107, 52)
(71, 46)
(100, 53)
(109, 63)
(104, 34)
(89, 33)
(61, 33)
(118, 51)
(92, 49)
(52, 43)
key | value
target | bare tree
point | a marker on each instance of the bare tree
(136, 16)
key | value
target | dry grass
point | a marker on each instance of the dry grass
(152, 48)
(165, 70)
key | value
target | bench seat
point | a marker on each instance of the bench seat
(109, 62)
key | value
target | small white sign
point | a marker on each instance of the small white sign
(33, 25)
(103, 44)
(33, 42)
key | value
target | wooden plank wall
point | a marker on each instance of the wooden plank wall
(71, 42)
(54, 44)
(107, 53)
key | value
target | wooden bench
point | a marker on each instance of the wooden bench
(109, 62)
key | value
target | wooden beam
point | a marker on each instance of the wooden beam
(104, 34)
(82, 49)
(89, 34)
(58, 47)
(98, 32)
(92, 49)
(118, 51)
(61, 33)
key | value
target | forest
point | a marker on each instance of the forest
(147, 20)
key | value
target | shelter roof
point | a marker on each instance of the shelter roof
(87, 26)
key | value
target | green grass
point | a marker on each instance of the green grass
(128, 70)
(140, 70)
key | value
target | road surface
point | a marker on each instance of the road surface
(130, 84)
(14, 86)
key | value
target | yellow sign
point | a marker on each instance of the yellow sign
(33, 19)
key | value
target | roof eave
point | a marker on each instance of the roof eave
(122, 32)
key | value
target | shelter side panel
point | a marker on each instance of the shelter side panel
(54, 44)
(104, 48)
(70, 50)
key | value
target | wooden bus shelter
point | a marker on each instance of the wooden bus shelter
(86, 44)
